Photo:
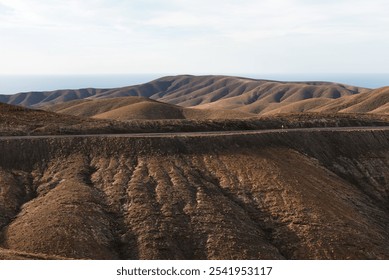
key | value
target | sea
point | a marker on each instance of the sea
(11, 84)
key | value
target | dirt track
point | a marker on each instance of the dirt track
(204, 133)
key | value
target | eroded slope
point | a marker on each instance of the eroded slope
(294, 195)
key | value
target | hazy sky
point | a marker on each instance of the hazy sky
(193, 36)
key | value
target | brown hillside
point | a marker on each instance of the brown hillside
(302, 106)
(129, 108)
(295, 195)
(144, 110)
(19, 255)
(248, 95)
(222, 93)
(15, 120)
(370, 102)
(92, 107)
(384, 109)
(31, 99)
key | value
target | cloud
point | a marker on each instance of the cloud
(4, 10)
(240, 32)
(241, 20)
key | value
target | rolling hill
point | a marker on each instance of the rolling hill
(374, 101)
(221, 93)
(17, 120)
(32, 99)
(140, 108)
(280, 194)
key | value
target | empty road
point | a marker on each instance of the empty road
(206, 133)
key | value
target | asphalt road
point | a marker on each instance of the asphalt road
(205, 133)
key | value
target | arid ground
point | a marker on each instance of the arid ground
(196, 167)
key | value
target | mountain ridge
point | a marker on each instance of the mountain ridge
(251, 96)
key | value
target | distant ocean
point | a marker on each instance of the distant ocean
(10, 84)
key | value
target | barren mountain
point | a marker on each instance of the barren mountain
(16, 120)
(287, 194)
(221, 92)
(129, 108)
(31, 99)
(305, 185)
(374, 101)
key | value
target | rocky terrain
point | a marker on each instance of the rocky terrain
(278, 195)
(291, 171)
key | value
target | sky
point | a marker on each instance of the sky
(193, 36)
